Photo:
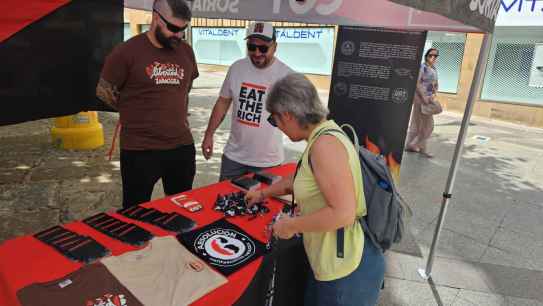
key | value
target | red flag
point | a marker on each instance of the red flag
(16, 14)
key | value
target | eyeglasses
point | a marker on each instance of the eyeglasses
(433, 55)
(272, 121)
(171, 27)
(261, 48)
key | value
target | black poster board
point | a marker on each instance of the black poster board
(373, 84)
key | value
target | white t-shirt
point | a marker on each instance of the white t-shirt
(164, 273)
(253, 141)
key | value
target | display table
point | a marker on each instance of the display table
(26, 260)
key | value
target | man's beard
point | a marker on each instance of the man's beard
(260, 64)
(168, 43)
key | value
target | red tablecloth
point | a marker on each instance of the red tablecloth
(25, 260)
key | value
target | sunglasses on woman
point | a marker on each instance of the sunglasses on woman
(171, 27)
(261, 48)
(433, 55)
(272, 121)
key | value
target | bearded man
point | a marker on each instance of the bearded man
(147, 79)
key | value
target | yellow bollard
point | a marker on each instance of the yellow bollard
(80, 131)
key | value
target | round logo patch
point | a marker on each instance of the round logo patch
(340, 89)
(399, 95)
(224, 247)
(347, 48)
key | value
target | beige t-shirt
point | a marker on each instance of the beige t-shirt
(164, 273)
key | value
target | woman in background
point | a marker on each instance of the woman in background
(421, 125)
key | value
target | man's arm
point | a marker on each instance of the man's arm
(108, 93)
(217, 116)
(113, 77)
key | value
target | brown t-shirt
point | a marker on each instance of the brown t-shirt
(92, 285)
(154, 84)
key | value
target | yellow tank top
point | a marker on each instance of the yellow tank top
(321, 247)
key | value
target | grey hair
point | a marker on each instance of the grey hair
(178, 8)
(295, 94)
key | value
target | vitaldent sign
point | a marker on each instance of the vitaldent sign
(520, 13)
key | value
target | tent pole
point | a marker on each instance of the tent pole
(447, 194)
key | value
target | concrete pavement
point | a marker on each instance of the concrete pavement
(491, 249)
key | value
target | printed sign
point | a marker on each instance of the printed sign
(223, 245)
(373, 84)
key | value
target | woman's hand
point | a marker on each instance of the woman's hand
(283, 227)
(427, 100)
(254, 196)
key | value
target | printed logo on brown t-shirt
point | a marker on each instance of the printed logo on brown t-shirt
(166, 73)
(108, 300)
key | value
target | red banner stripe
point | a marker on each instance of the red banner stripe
(248, 123)
(15, 15)
(253, 86)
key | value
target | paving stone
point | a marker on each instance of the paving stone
(525, 218)
(522, 243)
(12, 175)
(408, 293)
(44, 173)
(80, 200)
(511, 281)
(453, 245)
(474, 298)
(460, 274)
(28, 197)
(505, 258)
(471, 225)
(26, 222)
(514, 301)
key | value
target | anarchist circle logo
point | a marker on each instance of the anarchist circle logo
(224, 247)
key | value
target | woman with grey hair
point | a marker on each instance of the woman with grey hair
(328, 188)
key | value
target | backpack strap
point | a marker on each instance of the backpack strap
(292, 204)
(340, 233)
(298, 166)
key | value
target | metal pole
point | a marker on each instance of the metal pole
(447, 194)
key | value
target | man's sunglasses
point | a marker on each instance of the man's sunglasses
(171, 27)
(261, 48)
(272, 121)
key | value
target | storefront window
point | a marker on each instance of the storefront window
(223, 46)
(127, 31)
(307, 50)
(144, 27)
(512, 67)
(451, 52)
(218, 46)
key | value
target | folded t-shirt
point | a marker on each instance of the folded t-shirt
(91, 285)
(164, 273)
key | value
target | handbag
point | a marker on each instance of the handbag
(431, 108)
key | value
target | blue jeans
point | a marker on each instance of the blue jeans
(360, 288)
